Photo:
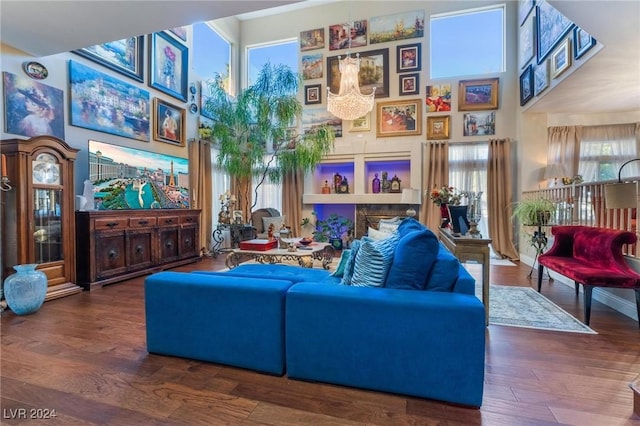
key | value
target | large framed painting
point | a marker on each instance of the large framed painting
(169, 122)
(526, 85)
(551, 27)
(32, 108)
(345, 36)
(106, 104)
(312, 66)
(399, 118)
(313, 117)
(399, 26)
(169, 65)
(474, 95)
(374, 72)
(127, 178)
(125, 56)
(479, 123)
(312, 39)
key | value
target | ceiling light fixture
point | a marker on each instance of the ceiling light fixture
(349, 103)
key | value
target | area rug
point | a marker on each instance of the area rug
(525, 307)
(501, 262)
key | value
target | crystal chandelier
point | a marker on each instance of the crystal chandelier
(349, 103)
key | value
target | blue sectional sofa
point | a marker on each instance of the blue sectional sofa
(420, 333)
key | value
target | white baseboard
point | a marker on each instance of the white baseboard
(624, 306)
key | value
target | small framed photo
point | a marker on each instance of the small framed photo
(238, 217)
(312, 39)
(169, 68)
(312, 94)
(169, 122)
(526, 85)
(409, 84)
(362, 124)
(582, 42)
(399, 118)
(561, 59)
(438, 127)
(541, 77)
(474, 95)
(479, 124)
(409, 57)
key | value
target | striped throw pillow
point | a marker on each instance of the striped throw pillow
(373, 261)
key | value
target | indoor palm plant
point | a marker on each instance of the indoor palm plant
(255, 131)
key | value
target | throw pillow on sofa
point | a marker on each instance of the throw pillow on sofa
(413, 260)
(348, 267)
(277, 222)
(444, 273)
(373, 260)
(342, 263)
(377, 235)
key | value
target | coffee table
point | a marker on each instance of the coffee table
(304, 256)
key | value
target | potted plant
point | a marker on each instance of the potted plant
(534, 211)
(332, 229)
(255, 131)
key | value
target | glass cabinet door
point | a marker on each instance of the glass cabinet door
(47, 210)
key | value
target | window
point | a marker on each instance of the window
(469, 42)
(211, 53)
(603, 150)
(282, 52)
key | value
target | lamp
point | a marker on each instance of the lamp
(555, 171)
(349, 103)
(621, 195)
(410, 196)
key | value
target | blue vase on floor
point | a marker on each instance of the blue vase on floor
(25, 290)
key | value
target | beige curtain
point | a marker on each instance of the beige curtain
(499, 198)
(292, 190)
(563, 148)
(435, 158)
(201, 188)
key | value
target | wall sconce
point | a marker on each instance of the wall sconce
(621, 195)
(410, 196)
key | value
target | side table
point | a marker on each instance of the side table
(539, 242)
(238, 233)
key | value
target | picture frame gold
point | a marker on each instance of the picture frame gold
(561, 58)
(361, 124)
(438, 127)
(476, 95)
(399, 118)
(169, 122)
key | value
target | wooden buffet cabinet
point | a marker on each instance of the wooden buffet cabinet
(115, 245)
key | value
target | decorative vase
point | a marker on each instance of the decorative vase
(25, 290)
(444, 214)
(336, 243)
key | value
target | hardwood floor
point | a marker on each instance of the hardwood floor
(84, 356)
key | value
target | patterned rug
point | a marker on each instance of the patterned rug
(525, 307)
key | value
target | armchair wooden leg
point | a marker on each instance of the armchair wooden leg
(587, 302)
(577, 284)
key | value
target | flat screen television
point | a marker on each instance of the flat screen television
(127, 178)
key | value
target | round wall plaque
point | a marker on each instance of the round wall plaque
(35, 70)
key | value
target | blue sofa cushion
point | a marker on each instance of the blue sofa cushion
(342, 263)
(444, 273)
(409, 224)
(413, 259)
(373, 260)
(291, 273)
(348, 268)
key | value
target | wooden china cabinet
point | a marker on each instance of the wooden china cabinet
(38, 223)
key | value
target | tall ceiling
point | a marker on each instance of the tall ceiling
(608, 82)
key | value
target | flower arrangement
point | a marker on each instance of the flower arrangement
(445, 195)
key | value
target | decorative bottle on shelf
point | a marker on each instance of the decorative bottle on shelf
(375, 185)
(337, 180)
(326, 189)
(386, 185)
(25, 290)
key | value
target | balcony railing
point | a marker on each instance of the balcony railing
(584, 204)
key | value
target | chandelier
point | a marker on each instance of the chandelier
(349, 103)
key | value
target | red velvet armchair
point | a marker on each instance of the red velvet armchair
(591, 257)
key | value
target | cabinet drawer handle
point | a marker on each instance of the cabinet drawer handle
(168, 221)
(187, 241)
(139, 250)
(112, 224)
(169, 244)
(143, 222)
(189, 219)
(113, 254)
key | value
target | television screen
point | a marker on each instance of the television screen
(127, 178)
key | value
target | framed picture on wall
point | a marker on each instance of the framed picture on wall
(312, 66)
(479, 123)
(169, 122)
(399, 118)
(526, 85)
(438, 127)
(551, 27)
(409, 57)
(409, 84)
(582, 42)
(561, 59)
(526, 42)
(169, 65)
(125, 56)
(312, 94)
(474, 95)
(362, 124)
(374, 72)
(312, 39)
(540, 77)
